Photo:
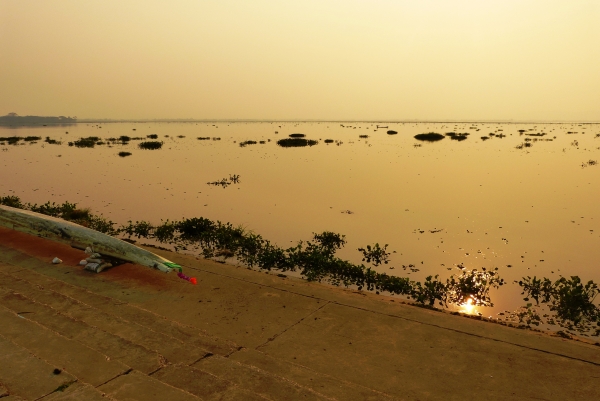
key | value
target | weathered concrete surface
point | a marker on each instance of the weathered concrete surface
(23, 373)
(277, 338)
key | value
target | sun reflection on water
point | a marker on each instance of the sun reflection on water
(468, 307)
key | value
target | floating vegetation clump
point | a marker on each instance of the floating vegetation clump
(297, 135)
(152, 136)
(33, 138)
(245, 143)
(67, 211)
(570, 300)
(328, 141)
(523, 145)
(11, 140)
(363, 136)
(124, 154)
(88, 142)
(225, 182)
(296, 142)
(429, 137)
(589, 163)
(150, 145)
(50, 141)
(457, 137)
(392, 132)
(203, 138)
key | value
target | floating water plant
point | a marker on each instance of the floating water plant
(152, 136)
(151, 145)
(457, 137)
(296, 142)
(328, 141)
(363, 136)
(11, 140)
(225, 182)
(88, 142)
(297, 135)
(50, 141)
(375, 254)
(570, 299)
(392, 132)
(245, 143)
(124, 154)
(429, 137)
(203, 138)
(33, 138)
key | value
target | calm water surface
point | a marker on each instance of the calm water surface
(481, 203)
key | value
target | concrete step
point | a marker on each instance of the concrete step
(137, 386)
(250, 378)
(77, 392)
(324, 384)
(84, 363)
(37, 273)
(116, 348)
(26, 376)
(39, 289)
(203, 384)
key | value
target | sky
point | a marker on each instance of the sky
(435, 60)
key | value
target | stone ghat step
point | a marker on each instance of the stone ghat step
(76, 300)
(37, 284)
(24, 375)
(115, 347)
(82, 362)
(29, 352)
(32, 301)
(196, 381)
(74, 316)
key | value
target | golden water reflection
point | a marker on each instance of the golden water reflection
(493, 202)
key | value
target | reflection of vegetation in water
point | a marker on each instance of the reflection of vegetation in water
(151, 145)
(570, 299)
(430, 137)
(296, 142)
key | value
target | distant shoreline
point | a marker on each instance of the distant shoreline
(106, 121)
(15, 120)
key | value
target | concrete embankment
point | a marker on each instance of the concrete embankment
(132, 333)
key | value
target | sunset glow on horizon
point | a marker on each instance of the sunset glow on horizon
(510, 60)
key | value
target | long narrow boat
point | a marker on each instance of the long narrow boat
(80, 237)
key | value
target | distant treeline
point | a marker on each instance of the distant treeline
(12, 119)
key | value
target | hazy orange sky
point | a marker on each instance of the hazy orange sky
(266, 59)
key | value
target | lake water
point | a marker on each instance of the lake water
(528, 210)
